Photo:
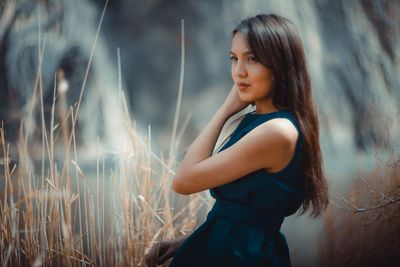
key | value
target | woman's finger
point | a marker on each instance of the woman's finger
(150, 260)
(151, 257)
(168, 254)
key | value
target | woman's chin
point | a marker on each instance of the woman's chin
(246, 99)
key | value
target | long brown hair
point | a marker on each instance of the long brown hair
(277, 45)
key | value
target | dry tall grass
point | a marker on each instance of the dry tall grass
(55, 212)
(64, 218)
(363, 228)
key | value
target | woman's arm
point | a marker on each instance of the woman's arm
(265, 146)
(203, 146)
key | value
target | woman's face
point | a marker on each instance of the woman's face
(253, 79)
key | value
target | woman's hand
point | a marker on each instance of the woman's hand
(233, 103)
(162, 251)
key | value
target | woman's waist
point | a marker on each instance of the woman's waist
(246, 214)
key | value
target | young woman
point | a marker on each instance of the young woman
(272, 164)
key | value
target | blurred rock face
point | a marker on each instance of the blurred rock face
(352, 50)
(42, 38)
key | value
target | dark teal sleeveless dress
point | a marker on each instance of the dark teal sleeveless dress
(243, 227)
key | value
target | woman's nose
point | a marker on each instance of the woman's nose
(240, 70)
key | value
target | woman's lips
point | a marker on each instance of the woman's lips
(243, 86)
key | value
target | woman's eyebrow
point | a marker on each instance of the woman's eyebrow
(246, 52)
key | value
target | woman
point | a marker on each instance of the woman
(272, 164)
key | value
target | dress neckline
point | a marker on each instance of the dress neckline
(266, 114)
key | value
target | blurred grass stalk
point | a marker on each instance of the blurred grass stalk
(52, 213)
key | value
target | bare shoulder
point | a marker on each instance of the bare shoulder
(282, 136)
(280, 129)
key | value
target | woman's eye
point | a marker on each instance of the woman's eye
(252, 59)
(233, 58)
